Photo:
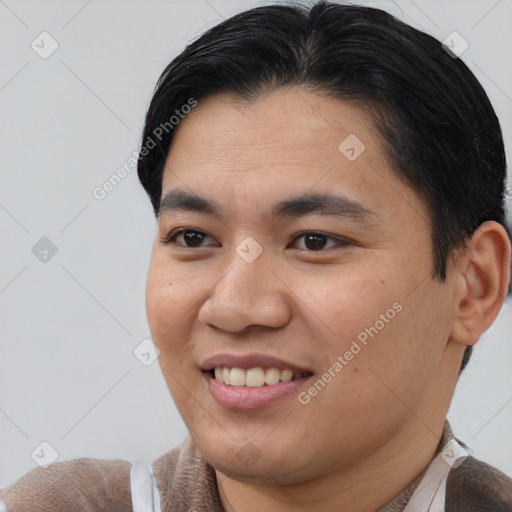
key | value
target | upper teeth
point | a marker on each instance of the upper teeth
(253, 377)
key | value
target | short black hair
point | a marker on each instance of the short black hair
(439, 130)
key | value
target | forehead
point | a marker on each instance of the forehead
(288, 124)
(286, 142)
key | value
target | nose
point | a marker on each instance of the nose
(248, 294)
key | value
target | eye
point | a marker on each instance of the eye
(313, 241)
(187, 237)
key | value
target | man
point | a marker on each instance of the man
(328, 185)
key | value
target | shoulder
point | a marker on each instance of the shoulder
(81, 484)
(475, 486)
(165, 467)
(94, 485)
(184, 477)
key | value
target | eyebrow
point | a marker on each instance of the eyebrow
(307, 204)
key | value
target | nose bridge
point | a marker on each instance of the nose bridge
(248, 293)
(244, 266)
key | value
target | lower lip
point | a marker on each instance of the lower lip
(243, 397)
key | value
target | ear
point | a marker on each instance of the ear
(482, 275)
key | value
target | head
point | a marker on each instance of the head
(329, 187)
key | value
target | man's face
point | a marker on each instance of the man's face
(341, 296)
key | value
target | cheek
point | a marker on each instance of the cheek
(169, 306)
(343, 301)
(370, 314)
(169, 296)
(160, 302)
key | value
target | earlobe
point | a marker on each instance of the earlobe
(483, 278)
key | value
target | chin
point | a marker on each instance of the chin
(258, 462)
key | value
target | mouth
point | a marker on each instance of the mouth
(252, 381)
(255, 377)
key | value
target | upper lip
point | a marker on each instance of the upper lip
(249, 361)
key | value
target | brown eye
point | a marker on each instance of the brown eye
(317, 241)
(190, 238)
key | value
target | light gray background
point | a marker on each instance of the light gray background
(68, 375)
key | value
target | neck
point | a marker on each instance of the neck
(382, 482)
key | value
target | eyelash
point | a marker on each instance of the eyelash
(171, 238)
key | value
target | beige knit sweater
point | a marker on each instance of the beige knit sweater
(187, 482)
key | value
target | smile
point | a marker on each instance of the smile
(255, 377)
(251, 381)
